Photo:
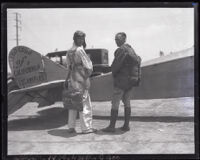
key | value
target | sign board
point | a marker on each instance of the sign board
(26, 66)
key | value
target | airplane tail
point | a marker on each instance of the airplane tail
(29, 69)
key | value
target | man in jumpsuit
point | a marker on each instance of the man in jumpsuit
(124, 67)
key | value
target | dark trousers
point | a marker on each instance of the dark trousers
(118, 95)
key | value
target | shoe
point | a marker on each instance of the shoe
(127, 114)
(92, 130)
(113, 119)
(125, 128)
(108, 129)
(71, 130)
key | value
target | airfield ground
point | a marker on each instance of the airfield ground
(159, 126)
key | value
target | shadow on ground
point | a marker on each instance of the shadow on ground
(167, 119)
(47, 119)
(57, 117)
(117, 132)
(62, 133)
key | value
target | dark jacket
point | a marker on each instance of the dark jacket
(124, 66)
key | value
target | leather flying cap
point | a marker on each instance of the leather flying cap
(79, 34)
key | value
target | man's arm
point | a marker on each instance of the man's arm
(87, 63)
(134, 56)
(118, 60)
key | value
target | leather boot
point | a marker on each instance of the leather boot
(113, 119)
(127, 114)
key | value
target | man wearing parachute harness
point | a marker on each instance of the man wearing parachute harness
(126, 74)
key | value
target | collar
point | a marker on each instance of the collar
(74, 47)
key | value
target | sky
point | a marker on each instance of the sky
(149, 30)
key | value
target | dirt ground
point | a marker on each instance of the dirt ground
(159, 126)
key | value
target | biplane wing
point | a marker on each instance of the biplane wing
(169, 76)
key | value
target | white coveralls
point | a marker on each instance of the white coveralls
(82, 63)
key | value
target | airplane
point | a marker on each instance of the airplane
(38, 78)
